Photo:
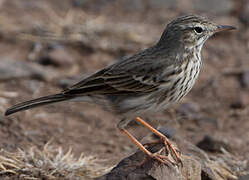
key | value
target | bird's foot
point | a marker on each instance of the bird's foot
(171, 150)
(157, 156)
(162, 158)
(163, 139)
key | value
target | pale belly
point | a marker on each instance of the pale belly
(165, 96)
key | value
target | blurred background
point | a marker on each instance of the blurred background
(46, 45)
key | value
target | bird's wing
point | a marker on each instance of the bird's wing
(107, 83)
(141, 73)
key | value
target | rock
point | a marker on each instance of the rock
(13, 69)
(207, 174)
(244, 13)
(237, 104)
(215, 166)
(133, 168)
(213, 6)
(244, 78)
(197, 165)
(50, 55)
(192, 111)
(212, 145)
(212, 170)
(211, 120)
(35, 52)
(191, 169)
(189, 110)
(57, 57)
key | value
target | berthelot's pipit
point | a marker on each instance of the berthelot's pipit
(148, 81)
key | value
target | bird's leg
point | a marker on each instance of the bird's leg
(163, 138)
(156, 156)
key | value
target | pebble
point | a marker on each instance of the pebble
(212, 144)
(15, 69)
(244, 78)
(57, 57)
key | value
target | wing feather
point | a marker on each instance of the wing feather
(137, 74)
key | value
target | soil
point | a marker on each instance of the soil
(217, 105)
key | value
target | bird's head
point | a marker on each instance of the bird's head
(191, 31)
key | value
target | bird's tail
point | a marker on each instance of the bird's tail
(37, 102)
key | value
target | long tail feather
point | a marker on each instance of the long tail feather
(36, 102)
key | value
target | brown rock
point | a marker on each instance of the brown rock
(60, 57)
(133, 168)
(244, 79)
(197, 165)
(191, 169)
(14, 69)
(212, 144)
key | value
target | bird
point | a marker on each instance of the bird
(147, 82)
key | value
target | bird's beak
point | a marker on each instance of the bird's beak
(224, 28)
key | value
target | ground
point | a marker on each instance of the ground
(71, 39)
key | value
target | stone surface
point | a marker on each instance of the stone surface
(212, 144)
(138, 166)
(51, 55)
(57, 57)
(197, 164)
(190, 110)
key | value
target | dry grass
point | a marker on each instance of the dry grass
(49, 163)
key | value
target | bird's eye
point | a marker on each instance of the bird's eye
(198, 30)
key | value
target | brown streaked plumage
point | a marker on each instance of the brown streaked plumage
(149, 81)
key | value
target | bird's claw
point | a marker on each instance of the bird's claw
(162, 159)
